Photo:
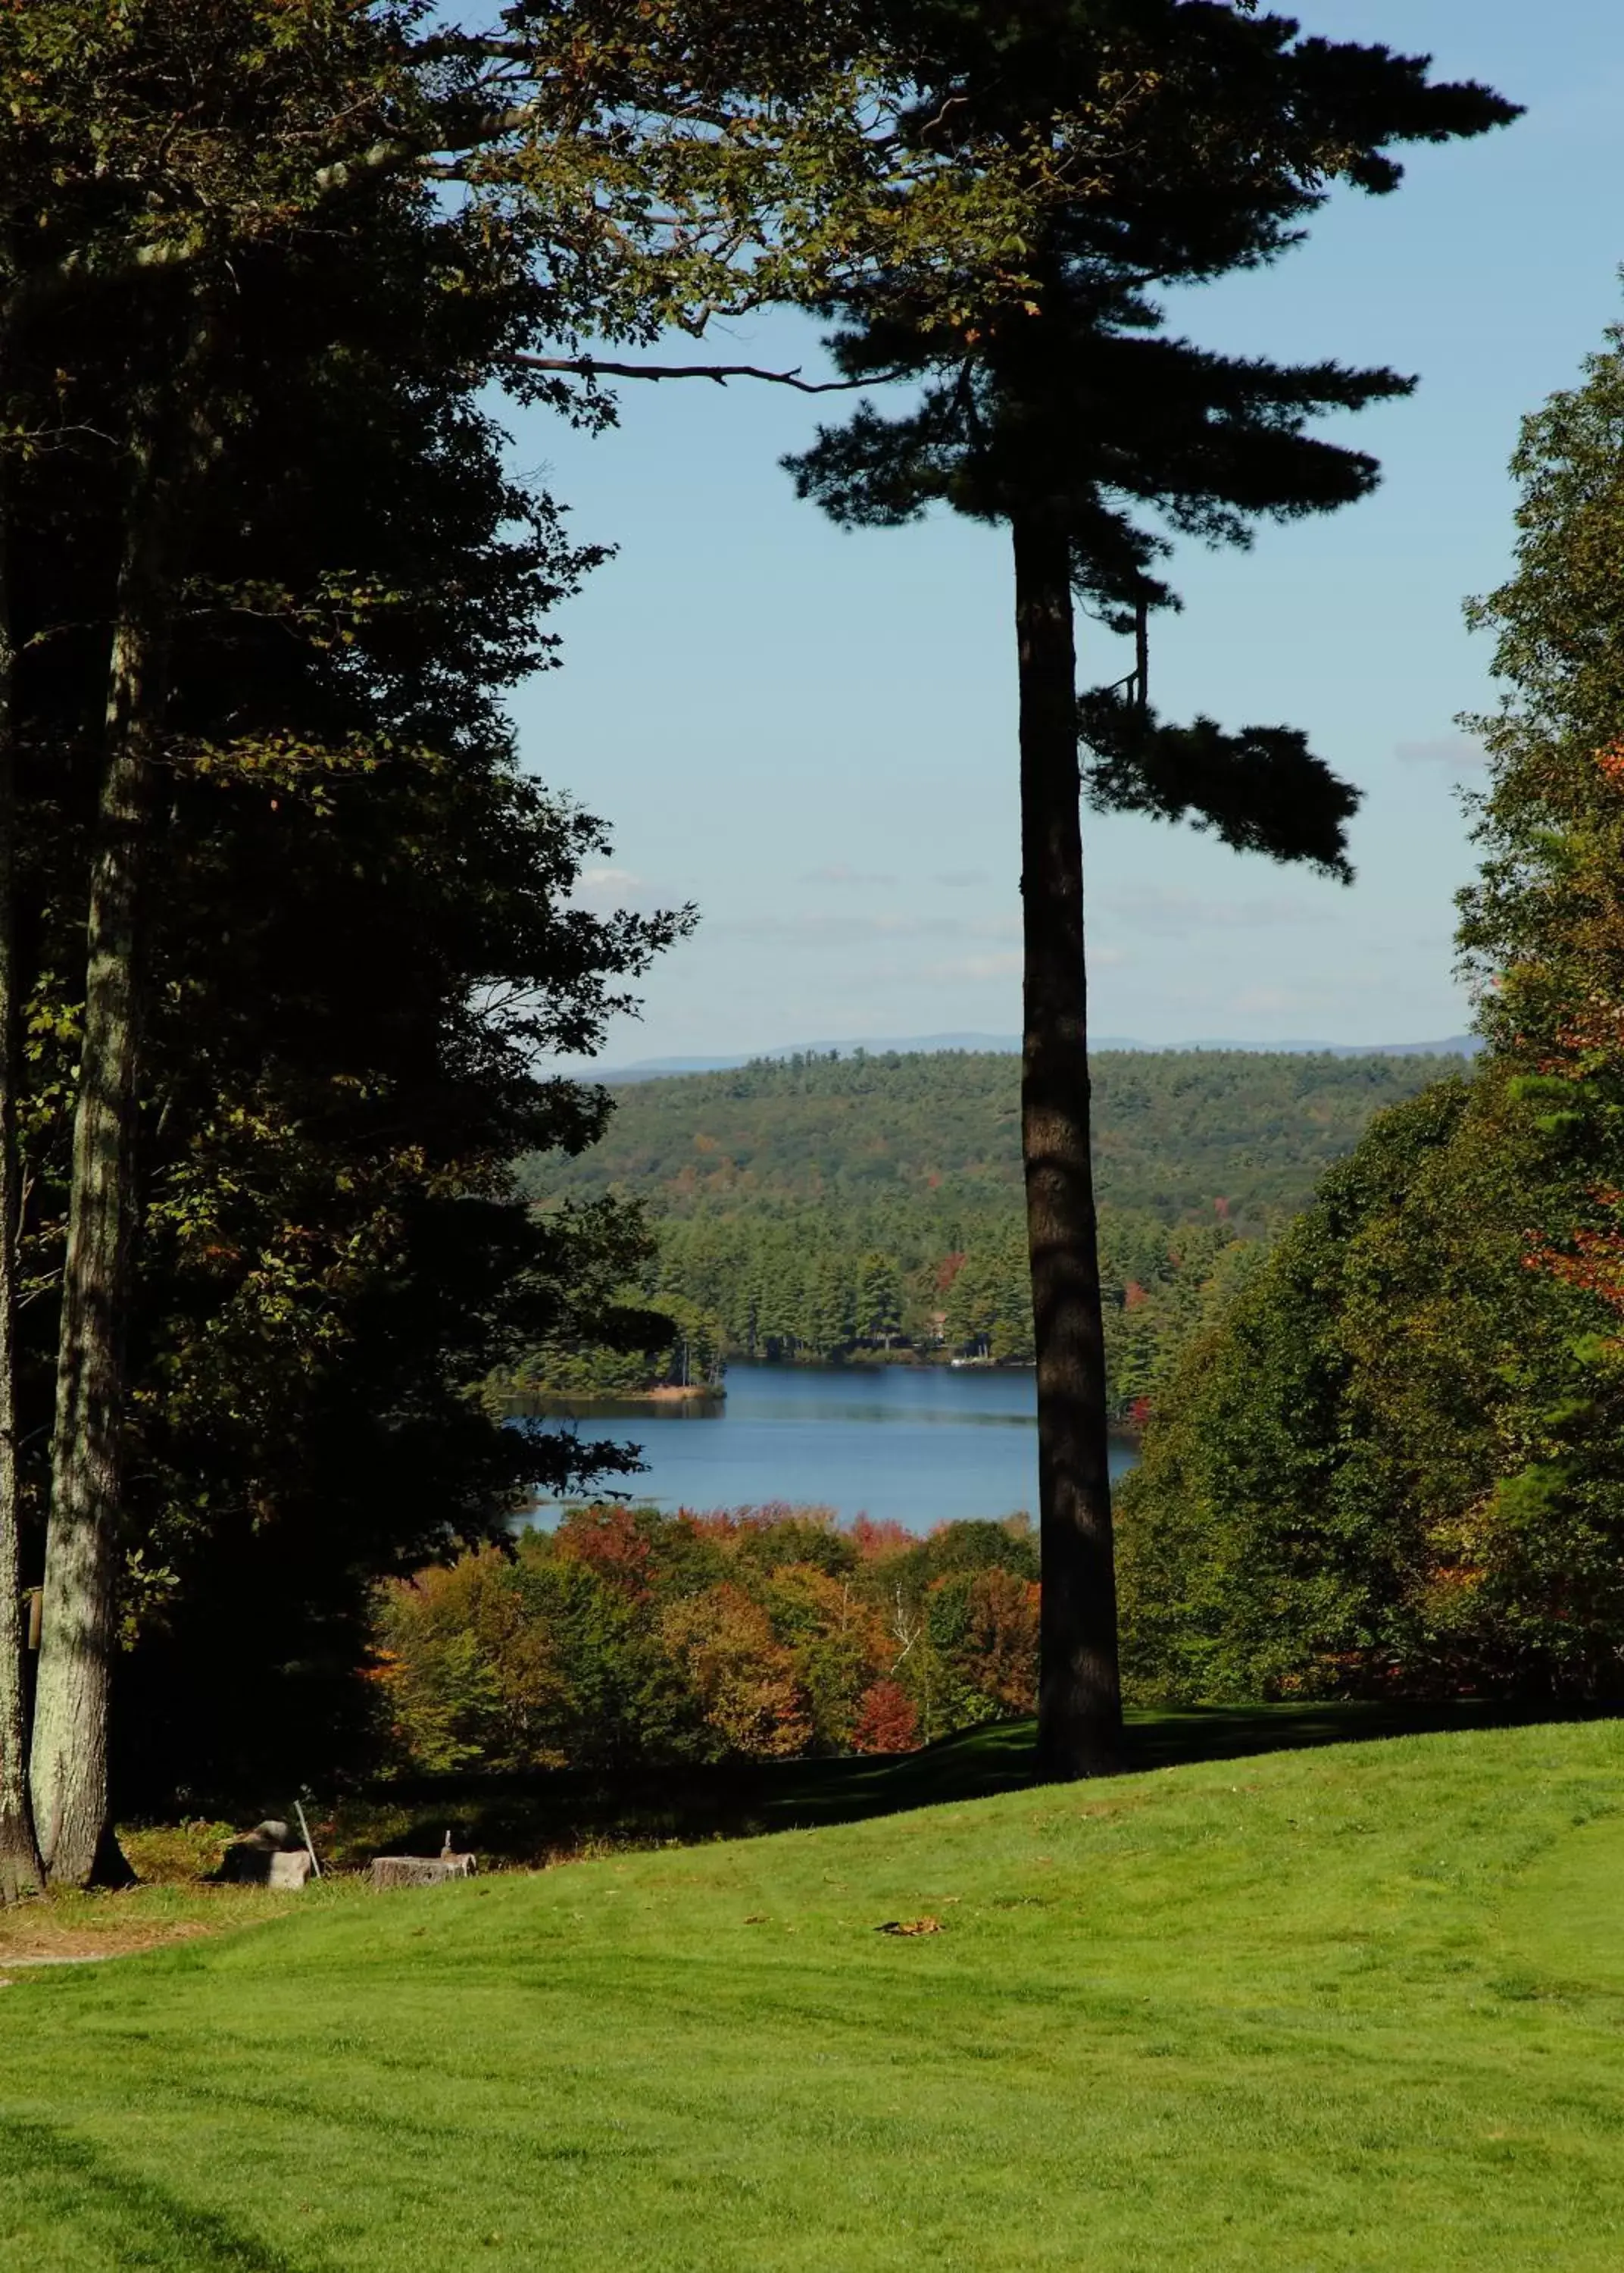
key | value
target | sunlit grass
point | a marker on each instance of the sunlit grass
(1358, 2007)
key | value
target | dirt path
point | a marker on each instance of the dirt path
(72, 1929)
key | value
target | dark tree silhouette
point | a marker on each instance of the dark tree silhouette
(1160, 143)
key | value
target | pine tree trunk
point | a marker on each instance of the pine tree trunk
(19, 1861)
(1078, 1710)
(69, 1748)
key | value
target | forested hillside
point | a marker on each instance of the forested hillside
(1176, 1132)
(828, 1207)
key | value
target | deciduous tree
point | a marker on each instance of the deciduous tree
(1395, 1464)
(637, 167)
(1543, 927)
(179, 173)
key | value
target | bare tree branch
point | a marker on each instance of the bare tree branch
(458, 46)
(591, 367)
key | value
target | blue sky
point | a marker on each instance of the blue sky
(812, 734)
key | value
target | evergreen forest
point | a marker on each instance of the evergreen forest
(841, 1208)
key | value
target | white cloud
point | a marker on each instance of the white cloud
(813, 930)
(978, 967)
(601, 881)
(1464, 752)
(837, 872)
(1269, 998)
(1174, 915)
(1007, 966)
(832, 931)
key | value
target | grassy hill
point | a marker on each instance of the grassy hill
(1354, 2008)
(1175, 1130)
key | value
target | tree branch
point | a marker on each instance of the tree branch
(395, 152)
(591, 367)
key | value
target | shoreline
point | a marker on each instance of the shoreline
(667, 1393)
(626, 1404)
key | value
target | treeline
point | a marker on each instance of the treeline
(1397, 1464)
(805, 1284)
(771, 1633)
(678, 1346)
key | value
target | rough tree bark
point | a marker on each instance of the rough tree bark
(19, 1861)
(69, 1766)
(1080, 1709)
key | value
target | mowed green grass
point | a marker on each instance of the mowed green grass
(1360, 2006)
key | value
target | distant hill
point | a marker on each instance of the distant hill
(1177, 1131)
(999, 1045)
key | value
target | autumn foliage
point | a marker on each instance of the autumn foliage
(760, 1634)
(1577, 996)
(886, 1721)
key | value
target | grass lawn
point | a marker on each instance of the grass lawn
(1306, 2010)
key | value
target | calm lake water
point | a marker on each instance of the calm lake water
(916, 1445)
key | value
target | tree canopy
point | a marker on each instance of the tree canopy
(285, 926)
(1397, 1462)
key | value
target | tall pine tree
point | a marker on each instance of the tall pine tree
(1148, 144)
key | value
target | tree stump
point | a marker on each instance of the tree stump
(420, 1870)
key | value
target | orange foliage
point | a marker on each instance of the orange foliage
(785, 1632)
(874, 1541)
(472, 1672)
(610, 1540)
(1594, 1266)
(886, 1721)
(1003, 1631)
(745, 1680)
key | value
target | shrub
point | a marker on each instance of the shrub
(175, 1854)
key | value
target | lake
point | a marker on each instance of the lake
(912, 1444)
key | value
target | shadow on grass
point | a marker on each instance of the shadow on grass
(527, 1819)
(73, 2188)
